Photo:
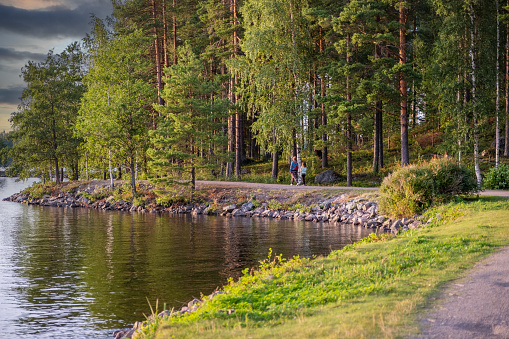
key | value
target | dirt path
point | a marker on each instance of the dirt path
(476, 306)
(231, 184)
(237, 184)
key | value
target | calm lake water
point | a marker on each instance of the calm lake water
(80, 273)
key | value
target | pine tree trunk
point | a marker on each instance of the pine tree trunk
(497, 100)
(165, 36)
(325, 162)
(403, 87)
(477, 167)
(348, 119)
(380, 134)
(506, 146)
(174, 32)
(158, 56)
(238, 142)
(378, 120)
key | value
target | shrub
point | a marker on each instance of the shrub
(38, 189)
(497, 178)
(412, 189)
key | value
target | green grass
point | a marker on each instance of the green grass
(372, 289)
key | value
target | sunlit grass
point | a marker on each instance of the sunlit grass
(373, 289)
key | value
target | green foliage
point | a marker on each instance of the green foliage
(301, 208)
(412, 189)
(188, 121)
(168, 198)
(43, 125)
(38, 189)
(114, 113)
(274, 204)
(497, 178)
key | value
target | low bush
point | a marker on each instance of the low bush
(412, 189)
(497, 178)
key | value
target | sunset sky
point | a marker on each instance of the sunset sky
(29, 29)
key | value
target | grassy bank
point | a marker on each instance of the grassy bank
(371, 289)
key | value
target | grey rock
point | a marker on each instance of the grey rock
(327, 177)
(193, 302)
(238, 213)
(229, 208)
(248, 206)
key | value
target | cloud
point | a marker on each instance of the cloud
(12, 54)
(11, 95)
(54, 21)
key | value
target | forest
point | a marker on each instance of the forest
(174, 90)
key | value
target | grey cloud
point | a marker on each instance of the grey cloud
(52, 21)
(12, 54)
(11, 95)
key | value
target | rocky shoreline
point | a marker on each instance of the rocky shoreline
(361, 211)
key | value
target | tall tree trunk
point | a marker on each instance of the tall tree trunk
(506, 146)
(477, 167)
(325, 162)
(378, 128)
(174, 32)
(55, 145)
(414, 92)
(231, 144)
(458, 103)
(86, 167)
(158, 55)
(165, 36)
(275, 164)
(380, 134)
(239, 133)
(133, 175)
(497, 101)
(110, 169)
(57, 170)
(403, 86)
(348, 119)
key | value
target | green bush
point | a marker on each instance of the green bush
(497, 178)
(412, 189)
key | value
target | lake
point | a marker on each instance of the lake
(82, 273)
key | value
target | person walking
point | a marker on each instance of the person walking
(303, 171)
(294, 170)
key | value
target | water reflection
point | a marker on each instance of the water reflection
(82, 273)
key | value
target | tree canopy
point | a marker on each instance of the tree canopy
(168, 88)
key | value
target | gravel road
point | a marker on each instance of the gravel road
(476, 306)
(231, 184)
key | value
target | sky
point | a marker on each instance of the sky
(29, 29)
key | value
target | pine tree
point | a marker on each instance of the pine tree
(189, 119)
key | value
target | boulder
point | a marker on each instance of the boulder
(248, 206)
(327, 177)
(229, 208)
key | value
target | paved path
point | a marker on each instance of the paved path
(476, 306)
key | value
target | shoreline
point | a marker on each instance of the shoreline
(360, 210)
